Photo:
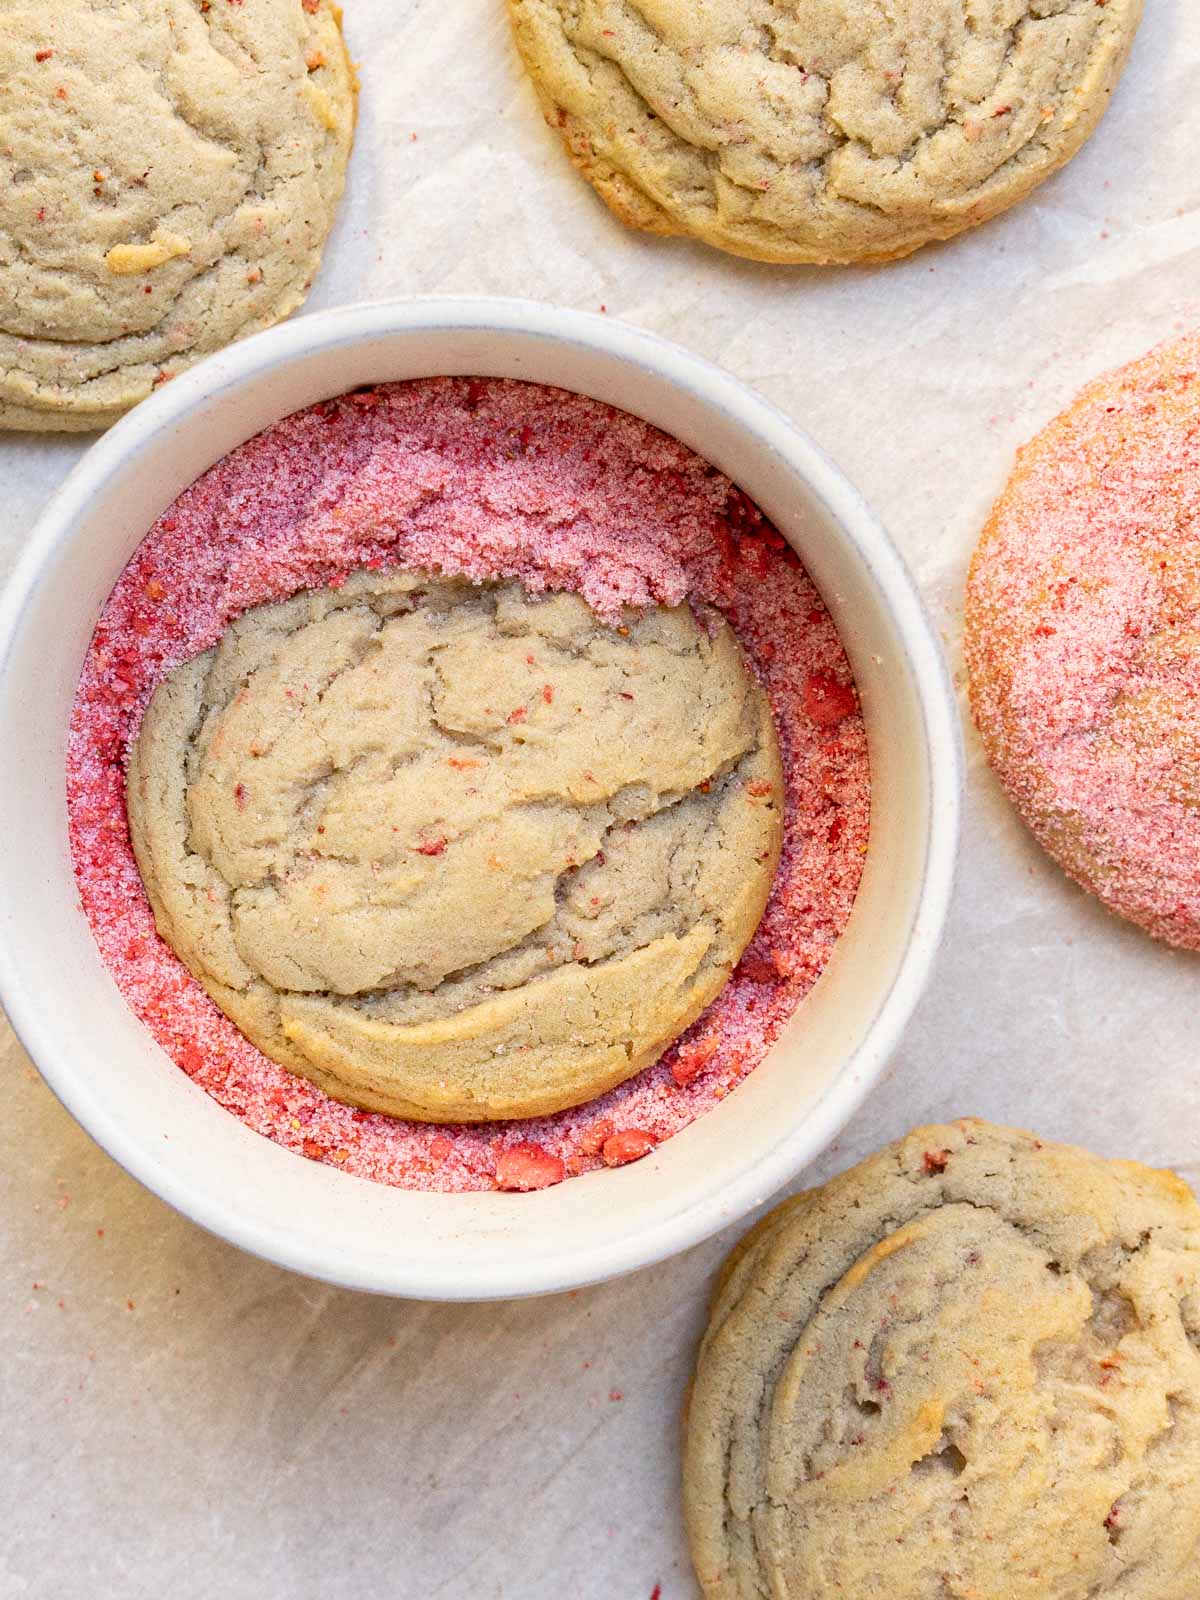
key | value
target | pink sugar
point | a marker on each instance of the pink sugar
(1094, 548)
(486, 479)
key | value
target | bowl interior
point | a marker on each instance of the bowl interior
(149, 1115)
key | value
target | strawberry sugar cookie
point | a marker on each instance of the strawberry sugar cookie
(1083, 640)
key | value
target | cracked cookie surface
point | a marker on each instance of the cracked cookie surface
(967, 1369)
(1082, 640)
(169, 172)
(454, 853)
(829, 131)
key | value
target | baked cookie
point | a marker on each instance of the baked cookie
(452, 852)
(1083, 640)
(967, 1369)
(169, 171)
(829, 131)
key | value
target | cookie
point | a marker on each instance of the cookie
(452, 852)
(967, 1369)
(834, 131)
(169, 171)
(1083, 640)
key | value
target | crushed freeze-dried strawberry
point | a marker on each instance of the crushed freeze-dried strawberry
(755, 557)
(528, 1166)
(827, 701)
(629, 1144)
(758, 969)
(591, 1140)
(432, 847)
(692, 1059)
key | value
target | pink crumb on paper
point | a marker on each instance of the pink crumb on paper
(487, 479)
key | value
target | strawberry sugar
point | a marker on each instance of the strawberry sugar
(487, 479)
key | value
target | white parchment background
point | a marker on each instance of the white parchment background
(181, 1420)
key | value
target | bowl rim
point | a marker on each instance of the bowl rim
(163, 411)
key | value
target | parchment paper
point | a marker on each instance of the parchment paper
(182, 1420)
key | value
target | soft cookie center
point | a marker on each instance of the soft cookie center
(392, 799)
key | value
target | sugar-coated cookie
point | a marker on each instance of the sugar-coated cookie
(1083, 640)
(169, 171)
(967, 1369)
(829, 131)
(455, 853)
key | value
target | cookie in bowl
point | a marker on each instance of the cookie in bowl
(969, 1367)
(572, 812)
(455, 852)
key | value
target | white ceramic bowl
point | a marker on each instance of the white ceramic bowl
(164, 1130)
